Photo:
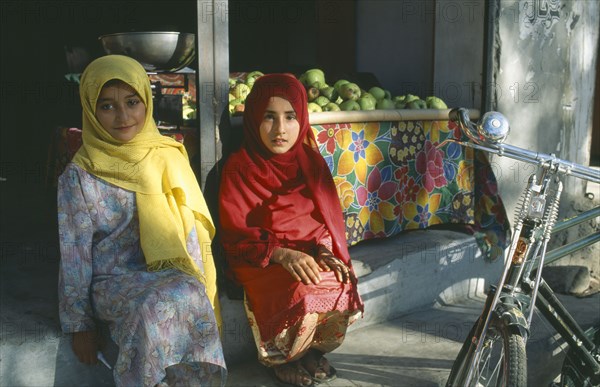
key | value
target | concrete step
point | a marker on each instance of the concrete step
(398, 275)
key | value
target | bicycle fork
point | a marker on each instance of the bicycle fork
(516, 253)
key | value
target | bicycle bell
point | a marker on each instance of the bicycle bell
(493, 126)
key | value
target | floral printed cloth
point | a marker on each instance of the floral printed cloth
(392, 176)
(159, 320)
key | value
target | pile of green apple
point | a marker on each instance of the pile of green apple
(347, 96)
(239, 88)
(342, 95)
(188, 107)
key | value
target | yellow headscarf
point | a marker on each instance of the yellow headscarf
(156, 168)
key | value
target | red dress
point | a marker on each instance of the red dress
(284, 200)
(285, 219)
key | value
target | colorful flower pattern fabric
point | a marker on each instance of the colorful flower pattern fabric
(395, 176)
(162, 321)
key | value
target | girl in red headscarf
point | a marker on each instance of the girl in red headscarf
(284, 236)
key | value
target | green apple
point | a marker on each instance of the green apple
(240, 91)
(349, 105)
(313, 78)
(385, 104)
(339, 83)
(321, 100)
(312, 93)
(233, 104)
(377, 92)
(236, 101)
(331, 107)
(302, 79)
(409, 98)
(399, 98)
(349, 91)
(435, 103)
(189, 112)
(313, 107)
(368, 96)
(417, 104)
(329, 92)
(399, 104)
(252, 76)
(367, 102)
(399, 101)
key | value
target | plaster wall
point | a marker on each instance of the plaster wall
(546, 53)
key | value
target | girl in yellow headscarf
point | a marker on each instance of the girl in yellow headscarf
(135, 238)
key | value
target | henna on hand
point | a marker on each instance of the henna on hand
(301, 266)
(328, 262)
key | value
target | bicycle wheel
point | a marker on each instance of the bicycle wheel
(572, 373)
(502, 363)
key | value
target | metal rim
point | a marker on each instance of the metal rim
(146, 33)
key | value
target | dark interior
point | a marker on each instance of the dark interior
(44, 41)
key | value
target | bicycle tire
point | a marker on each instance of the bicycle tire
(506, 367)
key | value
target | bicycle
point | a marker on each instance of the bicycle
(494, 352)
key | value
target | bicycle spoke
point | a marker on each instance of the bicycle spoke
(490, 370)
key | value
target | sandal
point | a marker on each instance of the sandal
(315, 361)
(327, 377)
(281, 371)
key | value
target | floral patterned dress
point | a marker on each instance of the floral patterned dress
(162, 321)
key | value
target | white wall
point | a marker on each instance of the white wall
(547, 53)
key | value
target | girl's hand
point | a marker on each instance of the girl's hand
(85, 346)
(301, 266)
(328, 262)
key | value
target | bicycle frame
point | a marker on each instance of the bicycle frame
(521, 287)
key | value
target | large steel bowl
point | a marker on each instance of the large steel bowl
(156, 51)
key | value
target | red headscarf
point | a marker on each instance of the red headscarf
(253, 173)
(268, 200)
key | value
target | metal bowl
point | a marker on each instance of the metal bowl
(156, 51)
